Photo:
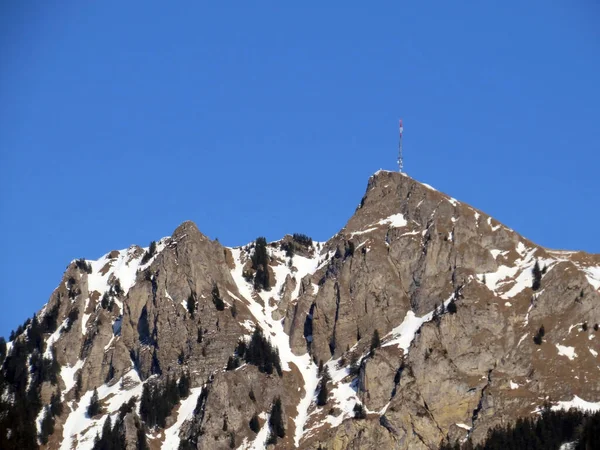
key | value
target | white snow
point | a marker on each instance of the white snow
(395, 221)
(577, 403)
(260, 441)
(84, 428)
(186, 410)
(510, 281)
(84, 320)
(51, 340)
(125, 267)
(568, 446)
(593, 352)
(522, 338)
(403, 334)
(464, 426)
(569, 352)
(593, 276)
(273, 329)
(68, 374)
(429, 187)
(509, 304)
(513, 385)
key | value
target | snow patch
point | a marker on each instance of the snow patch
(403, 334)
(593, 352)
(68, 374)
(593, 276)
(577, 403)
(569, 352)
(83, 428)
(186, 410)
(513, 385)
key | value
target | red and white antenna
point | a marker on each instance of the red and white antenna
(400, 159)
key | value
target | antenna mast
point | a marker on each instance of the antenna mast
(400, 158)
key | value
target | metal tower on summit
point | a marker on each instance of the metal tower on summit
(400, 158)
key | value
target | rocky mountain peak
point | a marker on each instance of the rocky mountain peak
(422, 320)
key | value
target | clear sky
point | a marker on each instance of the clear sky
(120, 120)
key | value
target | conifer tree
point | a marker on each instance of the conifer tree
(216, 298)
(452, 307)
(254, 423)
(191, 304)
(323, 392)
(276, 423)
(375, 341)
(537, 277)
(93, 408)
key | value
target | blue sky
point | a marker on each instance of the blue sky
(120, 120)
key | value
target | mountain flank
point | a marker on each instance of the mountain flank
(422, 322)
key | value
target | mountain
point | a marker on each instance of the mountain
(422, 320)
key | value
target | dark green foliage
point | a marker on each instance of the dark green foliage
(155, 367)
(537, 277)
(142, 443)
(111, 373)
(47, 426)
(359, 411)
(216, 298)
(595, 327)
(107, 302)
(158, 401)
(302, 239)
(83, 265)
(231, 440)
(261, 353)
(93, 408)
(72, 317)
(547, 431)
(150, 253)
(116, 288)
(2, 349)
(540, 334)
(183, 385)
(349, 251)
(35, 338)
(200, 335)
(241, 348)
(50, 320)
(78, 385)
(233, 363)
(56, 407)
(584, 326)
(375, 341)
(260, 263)
(113, 438)
(354, 367)
(323, 392)
(191, 304)
(254, 424)
(181, 357)
(234, 311)
(128, 407)
(251, 395)
(452, 307)
(276, 422)
(289, 249)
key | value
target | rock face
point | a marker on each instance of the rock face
(449, 291)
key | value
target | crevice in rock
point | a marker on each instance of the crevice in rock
(397, 378)
(385, 423)
(332, 341)
(308, 327)
(477, 410)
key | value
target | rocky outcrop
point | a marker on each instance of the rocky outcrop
(447, 288)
